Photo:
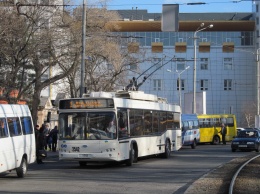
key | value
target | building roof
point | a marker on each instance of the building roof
(142, 21)
(145, 16)
(45, 103)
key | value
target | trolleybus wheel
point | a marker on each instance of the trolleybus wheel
(258, 148)
(233, 150)
(167, 151)
(22, 169)
(193, 145)
(131, 159)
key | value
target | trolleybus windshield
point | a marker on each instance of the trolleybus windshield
(88, 126)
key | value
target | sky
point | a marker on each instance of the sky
(155, 6)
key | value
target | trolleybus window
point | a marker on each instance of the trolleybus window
(86, 103)
(163, 124)
(92, 126)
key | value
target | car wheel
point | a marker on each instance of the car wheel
(22, 169)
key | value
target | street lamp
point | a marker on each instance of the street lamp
(200, 28)
(179, 80)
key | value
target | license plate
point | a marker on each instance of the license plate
(84, 155)
(75, 149)
(242, 146)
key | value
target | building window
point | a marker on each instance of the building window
(157, 61)
(204, 84)
(204, 63)
(204, 40)
(228, 62)
(157, 84)
(180, 39)
(257, 8)
(110, 67)
(133, 39)
(182, 84)
(228, 39)
(44, 77)
(157, 40)
(257, 20)
(133, 67)
(180, 64)
(227, 84)
(44, 2)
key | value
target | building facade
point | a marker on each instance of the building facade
(226, 68)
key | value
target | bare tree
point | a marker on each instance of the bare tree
(249, 113)
(35, 40)
(106, 62)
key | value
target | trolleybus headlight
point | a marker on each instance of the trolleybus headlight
(250, 142)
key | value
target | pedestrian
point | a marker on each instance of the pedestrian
(223, 133)
(39, 137)
(46, 132)
(54, 135)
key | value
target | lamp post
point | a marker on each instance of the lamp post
(179, 80)
(200, 28)
(82, 69)
(257, 116)
(180, 87)
(257, 81)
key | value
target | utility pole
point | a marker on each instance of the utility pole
(82, 84)
(195, 61)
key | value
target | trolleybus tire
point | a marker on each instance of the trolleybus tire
(233, 150)
(82, 163)
(22, 169)
(167, 152)
(216, 140)
(131, 159)
(193, 145)
(258, 148)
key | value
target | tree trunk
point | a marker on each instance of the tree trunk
(35, 105)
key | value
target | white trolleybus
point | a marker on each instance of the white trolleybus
(122, 127)
(17, 139)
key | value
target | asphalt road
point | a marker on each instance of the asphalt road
(149, 175)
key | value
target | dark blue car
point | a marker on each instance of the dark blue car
(248, 139)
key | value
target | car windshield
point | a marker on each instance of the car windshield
(92, 126)
(247, 134)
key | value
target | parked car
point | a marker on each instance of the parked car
(247, 139)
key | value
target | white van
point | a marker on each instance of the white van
(17, 139)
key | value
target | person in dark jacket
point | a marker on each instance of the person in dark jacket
(54, 135)
(39, 137)
(223, 133)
